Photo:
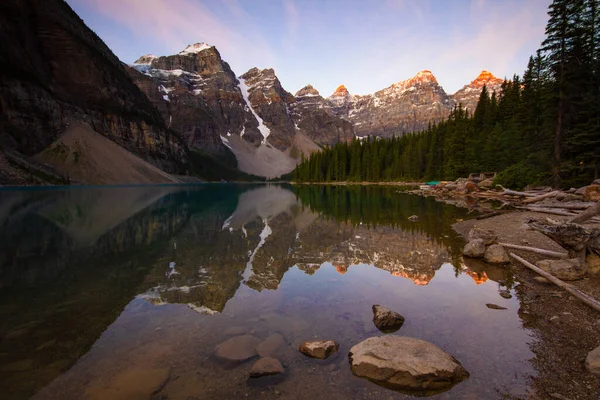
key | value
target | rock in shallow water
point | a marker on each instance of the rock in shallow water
(238, 348)
(474, 249)
(270, 345)
(496, 254)
(319, 348)
(495, 306)
(405, 363)
(386, 320)
(266, 366)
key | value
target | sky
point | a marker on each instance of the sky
(365, 45)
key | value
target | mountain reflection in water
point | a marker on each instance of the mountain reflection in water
(72, 260)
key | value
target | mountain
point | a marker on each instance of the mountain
(57, 72)
(253, 116)
(405, 106)
(469, 94)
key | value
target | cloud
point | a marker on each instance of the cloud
(177, 23)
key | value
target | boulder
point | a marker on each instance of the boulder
(592, 361)
(593, 263)
(405, 363)
(567, 270)
(581, 190)
(591, 193)
(270, 345)
(474, 249)
(487, 235)
(266, 366)
(596, 182)
(238, 348)
(386, 320)
(496, 254)
(318, 348)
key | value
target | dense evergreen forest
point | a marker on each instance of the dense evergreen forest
(542, 128)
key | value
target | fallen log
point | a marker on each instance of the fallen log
(587, 299)
(587, 214)
(544, 252)
(547, 211)
(541, 197)
(582, 206)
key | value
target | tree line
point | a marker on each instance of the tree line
(542, 128)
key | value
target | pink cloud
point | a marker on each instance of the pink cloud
(176, 23)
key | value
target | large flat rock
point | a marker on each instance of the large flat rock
(406, 364)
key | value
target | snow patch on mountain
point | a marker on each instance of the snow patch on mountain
(195, 48)
(264, 131)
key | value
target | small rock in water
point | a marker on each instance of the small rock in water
(495, 306)
(496, 254)
(319, 348)
(386, 320)
(475, 249)
(238, 348)
(266, 366)
(413, 218)
(506, 294)
(592, 361)
(270, 345)
(405, 363)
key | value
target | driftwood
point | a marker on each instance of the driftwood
(540, 197)
(572, 237)
(587, 214)
(547, 211)
(544, 252)
(582, 206)
(589, 300)
(508, 192)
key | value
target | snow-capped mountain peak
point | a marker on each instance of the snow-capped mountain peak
(195, 48)
(145, 60)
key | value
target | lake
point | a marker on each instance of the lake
(124, 292)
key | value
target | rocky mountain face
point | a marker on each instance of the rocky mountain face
(266, 127)
(405, 106)
(57, 71)
(469, 94)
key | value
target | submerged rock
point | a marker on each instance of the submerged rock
(135, 383)
(567, 270)
(270, 345)
(474, 249)
(505, 293)
(495, 306)
(487, 235)
(386, 320)
(592, 361)
(238, 348)
(266, 366)
(496, 254)
(405, 363)
(319, 348)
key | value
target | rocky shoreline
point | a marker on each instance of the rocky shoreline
(566, 331)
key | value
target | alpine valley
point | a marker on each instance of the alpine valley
(73, 113)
